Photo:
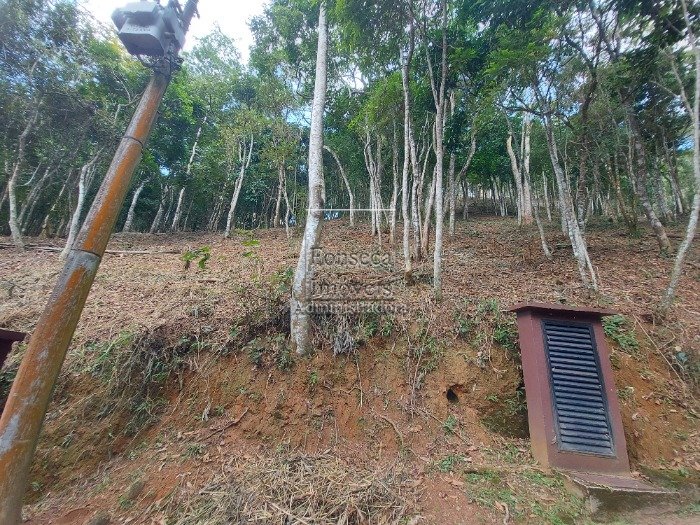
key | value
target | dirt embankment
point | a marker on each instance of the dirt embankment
(180, 395)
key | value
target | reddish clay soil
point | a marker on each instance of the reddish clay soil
(428, 393)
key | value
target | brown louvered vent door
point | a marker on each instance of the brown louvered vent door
(578, 395)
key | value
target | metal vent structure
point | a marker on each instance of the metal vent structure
(573, 410)
(580, 406)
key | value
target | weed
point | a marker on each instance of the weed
(625, 394)
(427, 352)
(194, 450)
(448, 463)
(201, 255)
(369, 325)
(282, 279)
(616, 327)
(505, 334)
(464, 326)
(487, 306)
(387, 326)
(124, 502)
(489, 326)
(313, 379)
(492, 397)
(517, 404)
(511, 454)
(250, 243)
(135, 369)
(255, 352)
(285, 357)
(543, 480)
(450, 424)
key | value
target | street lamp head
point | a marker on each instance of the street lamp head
(147, 28)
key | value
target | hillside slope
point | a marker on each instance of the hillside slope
(180, 401)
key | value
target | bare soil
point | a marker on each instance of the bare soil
(179, 382)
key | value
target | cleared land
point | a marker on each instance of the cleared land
(181, 403)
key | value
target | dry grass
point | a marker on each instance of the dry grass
(301, 489)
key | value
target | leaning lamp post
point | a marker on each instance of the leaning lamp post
(156, 34)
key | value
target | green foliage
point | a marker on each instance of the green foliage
(450, 424)
(313, 379)
(617, 328)
(282, 280)
(201, 255)
(449, 463)
(284, 357)
(425, 354)
(522, 493)
(256, 351)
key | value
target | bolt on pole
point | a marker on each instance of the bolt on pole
(33, 386)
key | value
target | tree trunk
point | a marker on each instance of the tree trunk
(546, 197)
(45, 225)
(132, 208)
(527, 187)
(569, 219)
(641, 177)
(351, 195)
(278, 201)
(31, 200)
(300, 305)
(517, 176)
(155, 225)
(407, 136)
(178, 211)
(83, 184)
(439, 92)
(465, 204)
(14, 179)
(428, 209)
(395, 188)
(287, 212)
(451, 186)
(694, 112)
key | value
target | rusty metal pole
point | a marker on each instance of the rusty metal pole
(31, 391)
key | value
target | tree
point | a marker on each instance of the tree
(692, 107)
(301, 299)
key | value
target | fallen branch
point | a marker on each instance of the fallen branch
(49, 248)
(396, 429)
(227, 426)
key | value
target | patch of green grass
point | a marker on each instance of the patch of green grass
(194, 449)
(387, 326)
(282, 280)
(463, 326)
(523, 492)
(448, 463)
(625, 394)
(313, 379)
(544, 480)
(256, 352)
(617, 328)
(505, 334)
(486, 487)
(450, 424)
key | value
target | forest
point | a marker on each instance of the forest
(489, 152)
(570, 111)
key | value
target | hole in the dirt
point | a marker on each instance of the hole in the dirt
(452, 396)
